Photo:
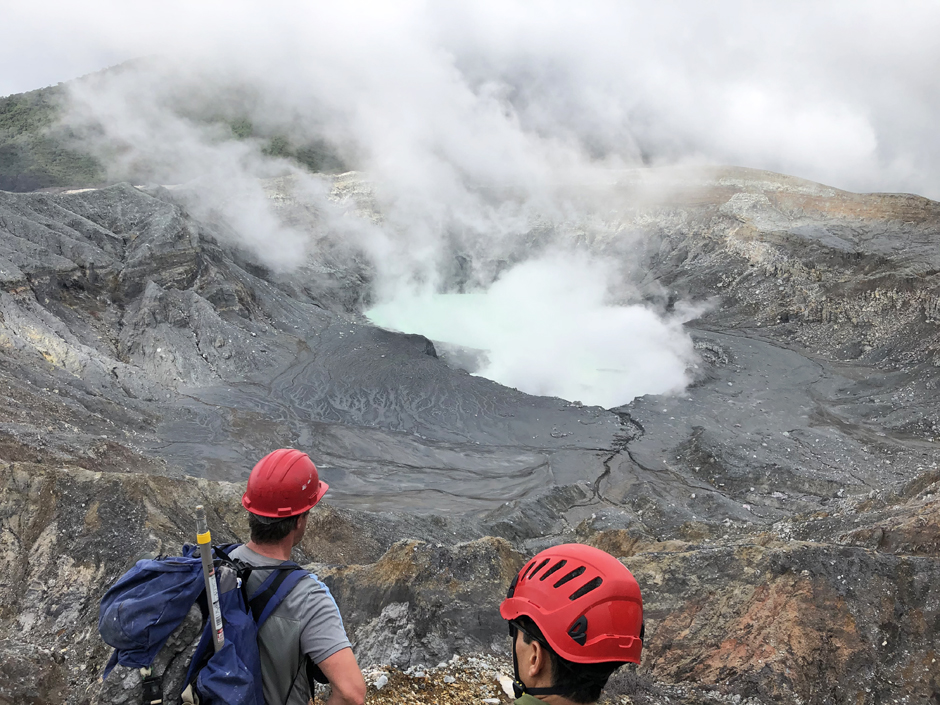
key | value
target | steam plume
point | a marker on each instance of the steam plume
(472, 124)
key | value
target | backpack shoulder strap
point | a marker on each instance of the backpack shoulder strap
(274, 589)
(243, 568)
(227, 548)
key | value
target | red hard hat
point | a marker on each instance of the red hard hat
(584, 601)
(283, 484)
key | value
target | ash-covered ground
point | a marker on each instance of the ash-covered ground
(781, 515)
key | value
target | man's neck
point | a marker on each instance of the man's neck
(278, 551)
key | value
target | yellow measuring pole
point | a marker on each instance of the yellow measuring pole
(204, 539)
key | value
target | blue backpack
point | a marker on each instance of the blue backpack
(145, 606)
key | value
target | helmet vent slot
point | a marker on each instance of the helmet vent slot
(522, 576)
(538, 568)
(558, 566)
(586, 588)
(570, 576)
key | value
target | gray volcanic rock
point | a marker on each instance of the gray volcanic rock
(781, 514)
(818, 353)
(210, 362)
(124, 684)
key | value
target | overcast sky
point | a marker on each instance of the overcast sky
(841, 92)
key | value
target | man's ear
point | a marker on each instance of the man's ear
(537, 660)
(300, 528)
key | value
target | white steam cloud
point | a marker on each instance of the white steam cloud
(842, 91)
(548, 327)
(474, 123)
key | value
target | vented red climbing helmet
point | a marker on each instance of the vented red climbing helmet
(585, 602)
(283, 484)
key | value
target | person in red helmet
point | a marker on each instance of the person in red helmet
(304, 637)
(575, 616)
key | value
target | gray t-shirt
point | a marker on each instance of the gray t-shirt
(306, 622)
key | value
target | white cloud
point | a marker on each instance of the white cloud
(839, 91)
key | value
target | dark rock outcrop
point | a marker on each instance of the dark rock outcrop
(757, 616)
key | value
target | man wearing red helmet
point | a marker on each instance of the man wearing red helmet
(305, 632)
(575, 616)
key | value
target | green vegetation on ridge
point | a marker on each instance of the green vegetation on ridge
(35, 150)
(38, 151)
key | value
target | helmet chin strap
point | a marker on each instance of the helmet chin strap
(518, 687)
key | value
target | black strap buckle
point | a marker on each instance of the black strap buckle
(151, 687)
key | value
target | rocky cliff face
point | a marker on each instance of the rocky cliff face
(782, 517)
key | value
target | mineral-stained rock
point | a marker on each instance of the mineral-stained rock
(761, 617)
(436, 600)
(824, 623)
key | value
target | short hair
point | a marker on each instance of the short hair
(582, 682)
(268, 530)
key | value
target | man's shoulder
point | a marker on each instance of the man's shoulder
(308, 588)
(311, 587)
(309, 583)
(526, 699)
(243, 553)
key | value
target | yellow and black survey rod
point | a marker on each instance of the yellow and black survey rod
(204, 539)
